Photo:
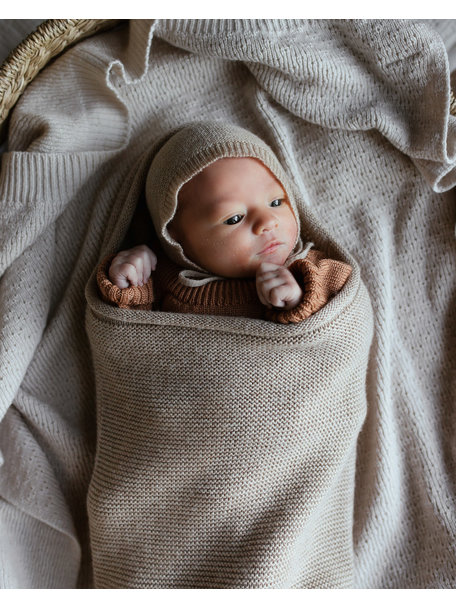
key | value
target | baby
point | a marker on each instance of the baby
(223, 210)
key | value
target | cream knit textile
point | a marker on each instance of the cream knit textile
(226, 446)
(358, 114)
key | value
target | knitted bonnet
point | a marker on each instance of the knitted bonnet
(185, 154)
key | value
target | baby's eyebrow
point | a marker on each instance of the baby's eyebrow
(219, 206)
(224, 200)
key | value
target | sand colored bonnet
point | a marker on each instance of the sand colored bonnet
(186, 153)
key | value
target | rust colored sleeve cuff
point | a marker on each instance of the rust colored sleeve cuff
(320, 279)
(140, 298)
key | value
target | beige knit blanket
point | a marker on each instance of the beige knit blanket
(226, 446)
(237, 492)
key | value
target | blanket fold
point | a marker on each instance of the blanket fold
(384, 74)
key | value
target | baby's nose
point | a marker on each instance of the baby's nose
(265, 221)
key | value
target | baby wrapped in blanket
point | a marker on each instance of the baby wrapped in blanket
(222, 209)
(226, 443)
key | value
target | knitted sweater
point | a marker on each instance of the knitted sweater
(358, 112)
(319, 277)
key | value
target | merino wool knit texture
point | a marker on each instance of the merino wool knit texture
(240, 491)
(226, 416)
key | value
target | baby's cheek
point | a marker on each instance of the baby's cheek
(293, 233)
(245, 259)
(294, 228)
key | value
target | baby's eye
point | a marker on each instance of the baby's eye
(233, 220)
(277, 202)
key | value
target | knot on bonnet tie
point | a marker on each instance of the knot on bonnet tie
(197, 278)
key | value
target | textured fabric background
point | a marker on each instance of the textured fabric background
(358, 113)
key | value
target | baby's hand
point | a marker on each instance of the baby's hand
(276, 286)
(132, 267)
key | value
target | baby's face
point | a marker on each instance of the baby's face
(233, 216)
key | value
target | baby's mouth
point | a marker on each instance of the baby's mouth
(271, 247)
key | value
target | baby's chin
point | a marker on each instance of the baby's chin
(278, 257)
(251, 266)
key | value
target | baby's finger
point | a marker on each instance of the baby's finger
(265, 268)
(128, 272)
(120, 281)
(268, 289)
(138, 262)
(278, 296)
(147, 269)
(147, 256)
(267, 276)
(269, 285)
(262, 295)
(152, 259)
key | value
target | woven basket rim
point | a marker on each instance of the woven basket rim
(48, 40)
